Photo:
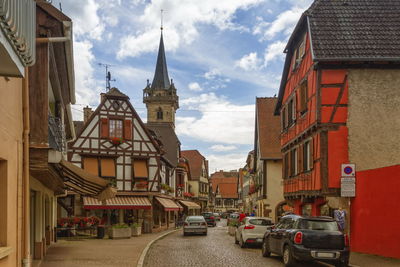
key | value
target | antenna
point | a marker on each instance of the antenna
(60, 6)
(108, 75)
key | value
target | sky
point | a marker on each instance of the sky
(221, 55)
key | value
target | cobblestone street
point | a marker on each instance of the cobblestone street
(215, 249)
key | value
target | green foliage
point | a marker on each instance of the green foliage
(120, 225)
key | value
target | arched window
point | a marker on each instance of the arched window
(159, 114)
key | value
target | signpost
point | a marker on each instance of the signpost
(348, 181)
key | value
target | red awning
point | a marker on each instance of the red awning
(118, 202)
(168, 204)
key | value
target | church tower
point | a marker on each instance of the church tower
(160, 96)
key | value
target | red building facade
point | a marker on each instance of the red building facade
(325, 55)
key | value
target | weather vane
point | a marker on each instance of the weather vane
(162, 11)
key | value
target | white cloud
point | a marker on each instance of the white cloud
(221, 121)
(181, 19)
(85, 85)
(226, 162)
(249, 62)
(212, 74)
(195, 87)
(273, 51)
(223, 148)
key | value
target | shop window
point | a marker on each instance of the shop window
(306, 210)
(91, 165)
(140, 168)
(3, 203)
(116, 129)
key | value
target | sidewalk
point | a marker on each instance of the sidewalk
(367, 260)
(97, 252)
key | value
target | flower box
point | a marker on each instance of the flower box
(136, 230)
(120, 232)
(116, 140)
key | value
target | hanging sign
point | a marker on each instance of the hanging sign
(348, 170)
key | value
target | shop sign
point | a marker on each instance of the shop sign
(348, 187)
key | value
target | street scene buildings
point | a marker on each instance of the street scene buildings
(311, 176)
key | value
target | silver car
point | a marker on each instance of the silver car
(195, 225)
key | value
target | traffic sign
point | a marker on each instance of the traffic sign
(348, 170)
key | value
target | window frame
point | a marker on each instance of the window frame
(303, 93)
(110, 127)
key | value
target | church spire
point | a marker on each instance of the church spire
(161, 79)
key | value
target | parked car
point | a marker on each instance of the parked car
(251, 230)
(233, 217)
(195, 225)
(299, 238)
(210, 219)
(217, 216)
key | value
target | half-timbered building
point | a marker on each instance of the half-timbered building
(340, 81)
(115, 144)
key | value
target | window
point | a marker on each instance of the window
(91, 165)
(303, 97)
(140, 169)
(306, 156)
(3, 203)
(286, 165)
(107, 167)
(284, 121)
(159, 114)
(116, 129)
(299, 52)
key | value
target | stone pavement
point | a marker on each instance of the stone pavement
(97, 252)
(359, 259)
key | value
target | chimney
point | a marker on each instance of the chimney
(87, 112)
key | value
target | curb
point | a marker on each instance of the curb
(144, 252)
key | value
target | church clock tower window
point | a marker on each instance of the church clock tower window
(159, 114)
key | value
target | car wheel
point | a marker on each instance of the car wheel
(288, 259)
(242, 244)
(266, 252)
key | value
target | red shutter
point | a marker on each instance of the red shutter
(104, 131)
(128, 130)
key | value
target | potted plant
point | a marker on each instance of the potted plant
(232, 227)
(119, 231)
(116, 140)
(141, 185)
(136, 229)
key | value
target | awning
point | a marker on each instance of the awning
(179, 205)
(118, 202)
(168, 204)
(85, 183)
(190, 205)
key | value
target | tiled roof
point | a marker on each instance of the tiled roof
(161, 79)
(195, 160)
(268, 128)
(228, 190)
(115, 92)
(166, 134)
(355, 29)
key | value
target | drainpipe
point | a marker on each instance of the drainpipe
(26, 256)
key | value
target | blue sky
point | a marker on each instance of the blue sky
(221, 54)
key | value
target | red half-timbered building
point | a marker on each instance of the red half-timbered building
(340, 78)
(115, 145)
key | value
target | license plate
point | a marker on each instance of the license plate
(194, 224)
(325, 255)
(259, 240)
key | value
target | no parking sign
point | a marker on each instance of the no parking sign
(348, 170)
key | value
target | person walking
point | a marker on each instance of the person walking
(340, 217)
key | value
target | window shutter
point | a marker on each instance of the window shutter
(294, 112)
(140, 169)
(311, 154)
(91, 165)
(128, 130)
(104, 131)
(300, 155)
(107, 167)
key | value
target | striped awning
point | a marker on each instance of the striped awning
(190, 205)
(168, 204)
(118, 202)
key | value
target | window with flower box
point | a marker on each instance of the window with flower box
(116, 129)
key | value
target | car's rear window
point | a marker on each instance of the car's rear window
(260, 222)
(195, 219)
(318, 225)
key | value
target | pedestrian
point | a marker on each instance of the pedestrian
(242, 215)
(340, 217)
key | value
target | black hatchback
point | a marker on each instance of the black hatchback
(210, 219)
(300, 238)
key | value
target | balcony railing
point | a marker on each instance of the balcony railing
(57, 138)
(18, 24)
